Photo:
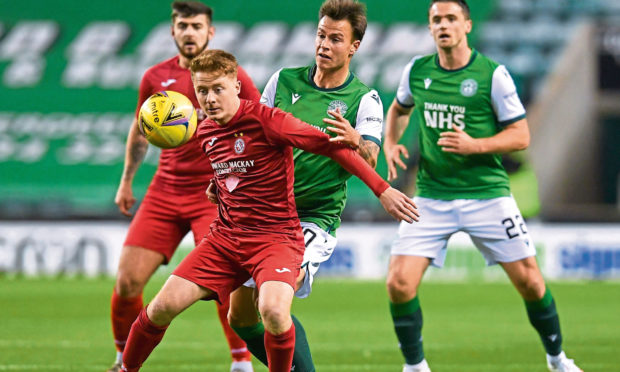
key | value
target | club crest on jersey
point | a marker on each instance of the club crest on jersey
(338, 104)
(469, 87)
(239, 145)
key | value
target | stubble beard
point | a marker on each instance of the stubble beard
(191, 56)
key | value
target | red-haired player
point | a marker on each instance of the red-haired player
(175, 202)
(257, 233)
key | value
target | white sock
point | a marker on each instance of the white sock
(423, 363)
(245, 366)
(556, 358)
(119, 357)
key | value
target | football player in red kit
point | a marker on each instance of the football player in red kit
(175, 202)
(257, 232)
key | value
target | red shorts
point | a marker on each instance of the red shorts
(226, 259)
(165, 217)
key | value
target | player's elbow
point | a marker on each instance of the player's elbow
(523, 142)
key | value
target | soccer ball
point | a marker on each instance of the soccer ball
(167, 119)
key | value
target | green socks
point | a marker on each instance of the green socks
(407, 319)
(302, 359)
(544, 317)
(254, 337)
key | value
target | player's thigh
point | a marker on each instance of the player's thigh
(176, 295)
(319, 247)
(497, 229)
(135, 267)
(429, 236)
(242, 311)
(211, 265)
(274, 304)
(273, 257)
(526, 277)
(158, 225)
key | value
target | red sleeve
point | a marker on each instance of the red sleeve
(283, 128)
(248, 89)
(144, 92)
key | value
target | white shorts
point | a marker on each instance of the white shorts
(495, 226)
(319, 248)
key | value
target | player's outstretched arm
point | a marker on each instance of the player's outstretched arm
(396, 122)
(283, 128)
(135, 151)
(399, 205)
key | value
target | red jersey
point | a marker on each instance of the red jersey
(252, 160)
(185, 166)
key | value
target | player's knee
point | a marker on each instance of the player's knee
(128, 285)
(161, 312)
(399, 288)
(275, 318)
(531, 289)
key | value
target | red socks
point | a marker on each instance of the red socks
(238, 349)
(143, 338)
(280, 350)
(124, 312)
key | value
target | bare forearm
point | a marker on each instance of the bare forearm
(134, 152)
(396, 122)
(515, 137)
(369, 151)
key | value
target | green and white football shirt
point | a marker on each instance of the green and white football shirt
(479, 98)
(321, 183)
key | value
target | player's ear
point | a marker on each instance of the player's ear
(238, 86)
(211, 32)
(354, 47)
(468, 25)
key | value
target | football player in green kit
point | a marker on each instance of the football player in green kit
(322, 94)
(469, 113)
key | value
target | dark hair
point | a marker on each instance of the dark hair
(351, 10)
(461, 3)
(214, 61)
(190, 9)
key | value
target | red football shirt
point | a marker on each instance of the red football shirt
(252, 160)
(185, 166)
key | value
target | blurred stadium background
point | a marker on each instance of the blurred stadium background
(69, 72)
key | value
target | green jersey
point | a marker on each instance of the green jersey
(321, 183)
(480, 99)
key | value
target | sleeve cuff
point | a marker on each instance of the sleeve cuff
(404, 104)
(510, 121)
(372, 139)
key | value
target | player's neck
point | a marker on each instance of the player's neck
(327, 79)
(184, 62)
(225, 120)
(454, 58)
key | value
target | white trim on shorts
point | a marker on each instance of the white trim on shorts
(495, 226)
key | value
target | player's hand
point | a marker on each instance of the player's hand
(124, 198)
(345, 133)
(458, 142)
(392, 157)
(212, 192)
(399, 205)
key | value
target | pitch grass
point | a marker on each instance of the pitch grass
(63, 325)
